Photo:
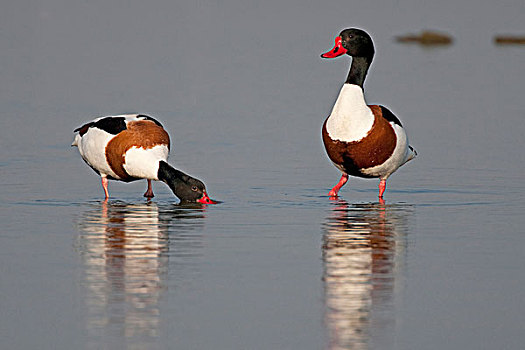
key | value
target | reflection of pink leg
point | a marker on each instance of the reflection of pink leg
(105, 186)
(149, 191)
(382, 187)
(333, 192)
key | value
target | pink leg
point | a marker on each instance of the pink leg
(382, 188)
(149, 191)
(105, 186)
(333, 192)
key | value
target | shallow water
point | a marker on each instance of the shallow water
(243, 93)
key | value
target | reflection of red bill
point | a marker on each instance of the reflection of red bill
(206, 200)
(337, 51)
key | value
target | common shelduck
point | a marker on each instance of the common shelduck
(131, 147)
(362, 140)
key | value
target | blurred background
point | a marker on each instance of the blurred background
(241, 89)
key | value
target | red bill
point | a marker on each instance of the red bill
(337, 51)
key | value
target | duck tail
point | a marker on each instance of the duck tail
(411, 154)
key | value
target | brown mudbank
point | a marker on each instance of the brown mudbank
(427, 37)
(509, 39)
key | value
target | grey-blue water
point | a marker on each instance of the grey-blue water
(242, 91)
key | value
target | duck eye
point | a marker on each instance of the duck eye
(194, 188)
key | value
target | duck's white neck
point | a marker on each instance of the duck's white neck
(351, 119)
(351, 98)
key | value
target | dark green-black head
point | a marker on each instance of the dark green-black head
(188, 189)
(353, 42)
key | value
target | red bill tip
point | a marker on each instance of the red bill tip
(206, 200)
(337, 51)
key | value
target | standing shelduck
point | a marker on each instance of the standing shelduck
(362, 140)
(132, 147)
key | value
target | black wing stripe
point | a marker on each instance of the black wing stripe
(111, 125)
(84, 128)
(390, 116)
(147, 117)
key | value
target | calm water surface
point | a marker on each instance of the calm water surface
(243, 92)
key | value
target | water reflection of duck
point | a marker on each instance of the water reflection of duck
(361, 248)
(125, 250)
(362, 140)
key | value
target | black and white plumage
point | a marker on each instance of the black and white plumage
(131, 147)
(362, 140)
